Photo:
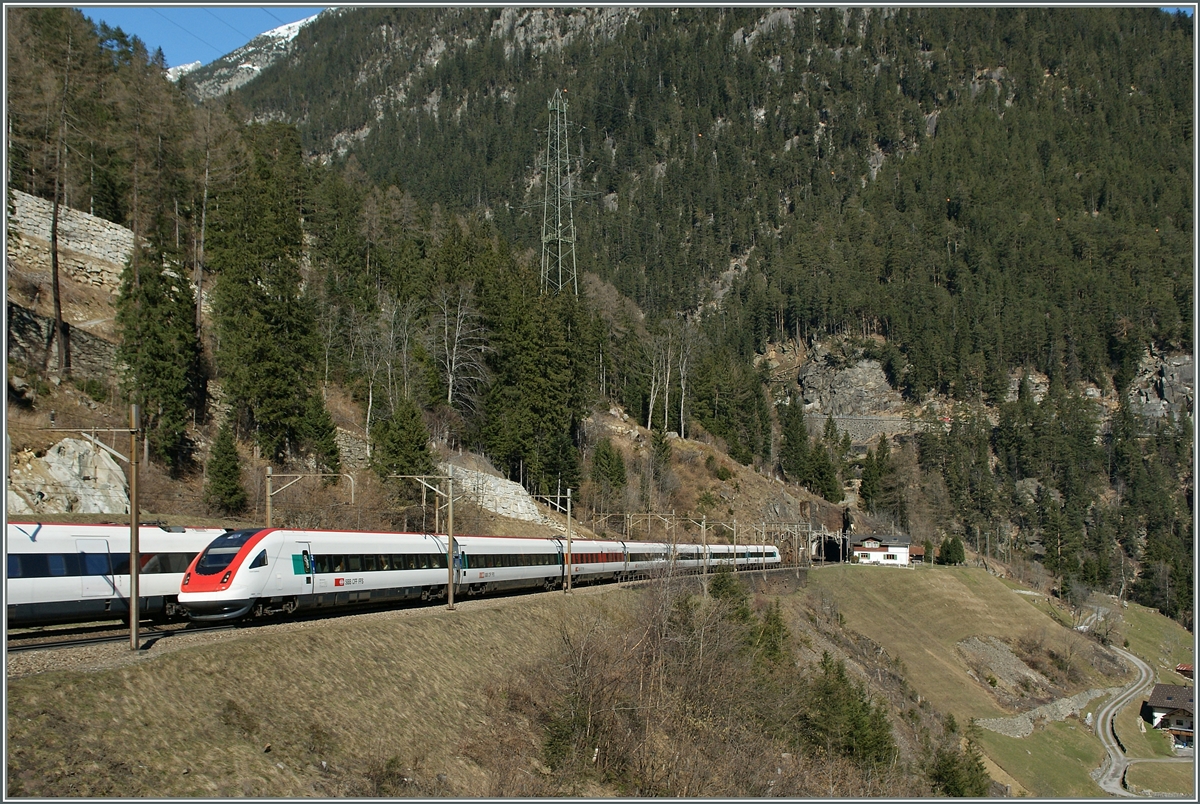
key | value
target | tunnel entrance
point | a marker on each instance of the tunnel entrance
(830, 547)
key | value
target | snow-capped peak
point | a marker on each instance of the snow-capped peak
(288, 32)
(173, 73)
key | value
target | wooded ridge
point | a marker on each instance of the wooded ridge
(967, 196)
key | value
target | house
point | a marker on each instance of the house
(889, 551)
(1170, 709)
(916, 554)
(1184, 670)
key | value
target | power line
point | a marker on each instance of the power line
(217, 50)
(227, 25)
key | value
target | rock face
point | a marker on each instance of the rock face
(495, 494)
(858, 389)
(73, 477)
(243, 65)
(1164, 385)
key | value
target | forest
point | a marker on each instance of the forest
(963, 194)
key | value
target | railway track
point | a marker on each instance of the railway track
(83, 637)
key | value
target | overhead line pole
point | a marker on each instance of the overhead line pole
(135, 423)
(449, 495)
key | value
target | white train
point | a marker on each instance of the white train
(60, 573)
(277, 571)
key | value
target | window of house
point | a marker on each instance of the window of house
(889, 557)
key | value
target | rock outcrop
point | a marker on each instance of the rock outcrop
(495, 494)
(858, 389)
(73, 477)
(1165, 385)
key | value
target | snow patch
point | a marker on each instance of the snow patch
(286, 33)
(174, 73)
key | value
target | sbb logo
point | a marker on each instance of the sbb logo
(339, 581)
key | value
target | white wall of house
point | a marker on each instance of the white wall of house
(890, 555)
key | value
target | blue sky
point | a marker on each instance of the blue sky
(196, 33)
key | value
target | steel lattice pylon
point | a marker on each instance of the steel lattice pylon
(558, 218)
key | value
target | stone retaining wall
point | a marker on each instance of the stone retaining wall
(91, 357)
(1022, 725)
(91, 250)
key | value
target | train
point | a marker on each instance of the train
(257, 572)
(64, 573)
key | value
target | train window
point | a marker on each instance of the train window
(354, 563)
(321, 564)
(385, 562)
(36, 566)
(90, 563)
(14, 567)
(161, 563)
(220, 554)
(339, 563)
(120, 563)
(57, 566)
(370, 564)
(441, 561)
(260, 560)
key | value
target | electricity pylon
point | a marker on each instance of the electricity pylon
(558, 218)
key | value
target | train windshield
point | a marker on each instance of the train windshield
(220, 554)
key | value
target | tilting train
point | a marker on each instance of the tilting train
(61, 573)
(261, 572)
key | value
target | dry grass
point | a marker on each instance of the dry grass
(340, 707)
(921, 615)
(1178, 779)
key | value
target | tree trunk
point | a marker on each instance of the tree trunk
(60, 326)
(64, 354)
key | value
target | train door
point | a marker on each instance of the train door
(95, 570)
(302, 565)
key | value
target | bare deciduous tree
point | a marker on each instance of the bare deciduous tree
(458, 343)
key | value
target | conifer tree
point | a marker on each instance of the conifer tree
(265, 322)
(224, 489)
(793, 452)
(159, 354)
(399, 443)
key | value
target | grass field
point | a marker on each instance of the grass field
(285, 714)
(921, 615)
(1159, 641)
(1161, 777)
(1053, 762)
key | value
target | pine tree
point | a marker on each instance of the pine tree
(793, 451)
(224, 489)
(265, 322)
(399, 443)
(160, 356)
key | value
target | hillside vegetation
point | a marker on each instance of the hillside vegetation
(969, 197)
(660, 690)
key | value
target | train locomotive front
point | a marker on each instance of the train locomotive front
(227, 579)
(262, 572)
